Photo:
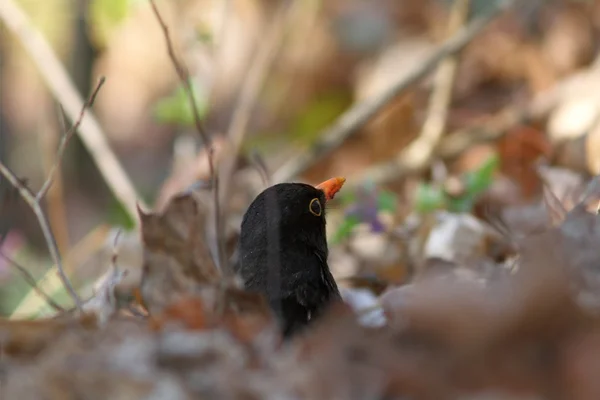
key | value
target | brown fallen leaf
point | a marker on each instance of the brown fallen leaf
(519, 150)
(177, 258)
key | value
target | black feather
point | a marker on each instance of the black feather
(283, 254)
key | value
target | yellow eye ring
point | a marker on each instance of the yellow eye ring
(315, 207)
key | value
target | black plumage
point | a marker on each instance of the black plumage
(283, 251)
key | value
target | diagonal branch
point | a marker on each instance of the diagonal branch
(424, 145)
(461, 140)
(357, 116)
(184, 77)
(252, 85)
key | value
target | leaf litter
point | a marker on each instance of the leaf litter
(530, 329)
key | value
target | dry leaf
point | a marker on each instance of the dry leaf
(177, 258)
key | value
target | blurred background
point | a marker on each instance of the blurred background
(518, 104)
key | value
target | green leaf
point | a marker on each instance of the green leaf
(105, 16)
(176, 108)
(347, 198)
(429, 198)
(386, 201)
(117, 215)
(478, 181)
(461, 204)
(345, 229)
(317, 115)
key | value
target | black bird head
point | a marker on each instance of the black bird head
(283, 250)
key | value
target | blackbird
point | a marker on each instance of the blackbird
(283, 251)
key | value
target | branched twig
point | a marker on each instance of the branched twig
(32, 282)
(356, 117)
(184, 77)
(63, 89)
(31, 201)
(65, 140)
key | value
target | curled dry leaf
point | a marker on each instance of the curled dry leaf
(519, 150)
(177, 259)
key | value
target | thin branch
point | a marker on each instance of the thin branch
(184, 77)
(32, 282)
(115, 253)
(63, 89)
(424, 145)
(356, 117)
(251, 87)
(49, 136)
(30, 199)
(65, 140)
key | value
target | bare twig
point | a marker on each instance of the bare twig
(63, 89)
(251, 87)
(115, 254)
(33, 200)
(30, 199)
(49, 138)
(356, 117)
(184, 77)
(65, 140)
(422, 148)
(32, 282)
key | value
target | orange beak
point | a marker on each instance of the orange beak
(331, 186)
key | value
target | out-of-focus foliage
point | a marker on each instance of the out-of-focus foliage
(107, 15)
(317, 115)
(176, 108)
(364, 205)
(431, 197)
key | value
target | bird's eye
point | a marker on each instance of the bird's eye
(315, 207)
